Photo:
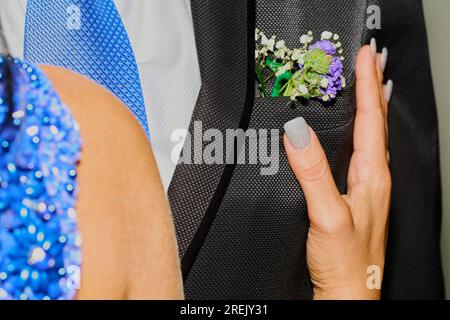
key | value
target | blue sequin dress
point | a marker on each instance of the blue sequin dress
(40, 255)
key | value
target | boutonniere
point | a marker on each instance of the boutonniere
(313, 71)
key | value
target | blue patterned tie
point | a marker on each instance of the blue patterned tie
(88, 37)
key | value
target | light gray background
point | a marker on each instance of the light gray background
(437, 14)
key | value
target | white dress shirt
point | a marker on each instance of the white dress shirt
(162, 36)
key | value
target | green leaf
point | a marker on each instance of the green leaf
(315, 92)
(288, 91)
(272, 64)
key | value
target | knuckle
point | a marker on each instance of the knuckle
(337, 223)
(382, 183)
(316, 171)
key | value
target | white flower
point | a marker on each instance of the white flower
(324, 82)
(336, 37)
(338, 45)
(301, 60)
(281, 44)
(268, 43)
(344, 82)
(282, 49)
(326, 35)
(303, 89)
(303, 39)
(283, 69)
(257, 35)
(297, 56)
(280, 54)
(326, 98)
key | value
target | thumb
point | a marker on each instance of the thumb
(310, 166)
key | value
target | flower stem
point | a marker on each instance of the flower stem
(261, 82)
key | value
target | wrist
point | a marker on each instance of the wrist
(347, 293)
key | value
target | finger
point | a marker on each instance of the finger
(388, 89)
(381, 63)
(381, 60)
(310, 167)
(380, 73)
(370, 120)
(373, 47)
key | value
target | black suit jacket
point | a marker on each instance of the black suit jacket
(413, 262)
(242, 235)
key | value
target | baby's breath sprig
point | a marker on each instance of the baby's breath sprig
(314, 70)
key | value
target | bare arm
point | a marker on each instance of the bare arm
(129, 247)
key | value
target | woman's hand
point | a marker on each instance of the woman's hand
(348, 232)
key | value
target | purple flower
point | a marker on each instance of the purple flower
(324, 45)
(334, 78)
(336, 68)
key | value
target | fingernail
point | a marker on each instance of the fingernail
(388, 89)
(384, 59)
(373, 47)
(297, 131)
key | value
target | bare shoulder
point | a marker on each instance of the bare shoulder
(124, 215)
(115, 147)
(97, 110)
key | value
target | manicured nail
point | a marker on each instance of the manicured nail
(297, 131)
(384, 59)
(373, 47)
(388, 89)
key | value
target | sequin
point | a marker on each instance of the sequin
(40, 145)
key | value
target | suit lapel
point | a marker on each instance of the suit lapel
(224, 32)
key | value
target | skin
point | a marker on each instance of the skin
(348, 232)
(129, 247)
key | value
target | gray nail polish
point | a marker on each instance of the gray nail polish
(388, 89)
(384, 59)
(373, 47)
(297, 131)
